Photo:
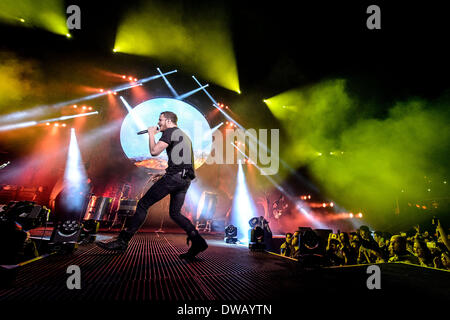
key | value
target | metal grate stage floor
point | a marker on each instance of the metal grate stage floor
(150, 271)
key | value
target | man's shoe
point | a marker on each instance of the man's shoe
(116, 245)
(198, 245)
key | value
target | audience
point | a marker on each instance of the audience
(286, 247)
(359, 247)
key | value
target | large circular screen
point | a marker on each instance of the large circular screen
(146, 114)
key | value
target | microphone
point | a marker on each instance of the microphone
(144, 131)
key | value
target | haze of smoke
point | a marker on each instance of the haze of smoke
(381, 157)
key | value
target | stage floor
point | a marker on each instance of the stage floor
(150, 270)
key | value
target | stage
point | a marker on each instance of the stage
(151, 272)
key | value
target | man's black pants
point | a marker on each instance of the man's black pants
(172, 184)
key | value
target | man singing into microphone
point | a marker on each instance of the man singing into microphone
(175, 182)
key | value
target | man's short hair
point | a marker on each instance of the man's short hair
(171, 116)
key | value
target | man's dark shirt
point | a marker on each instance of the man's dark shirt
(173, 137)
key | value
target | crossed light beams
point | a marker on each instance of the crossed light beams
(138, 122)
(39, 110)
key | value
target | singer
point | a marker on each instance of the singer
(176, 181)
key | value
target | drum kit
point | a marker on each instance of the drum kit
(104, 210)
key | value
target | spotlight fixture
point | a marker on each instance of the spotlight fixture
(253, 222)
(260, 234)
(230, 234)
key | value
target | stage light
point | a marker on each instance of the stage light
(360, 215)
(64, 125)
(75, 179)
(124, 77)
(68, 35)
(253, 222)
(130, 78)
(90, 108)
(114, 50)
(101, 90)
(243, 207)
(57, 124)
(231, 234)
(49, 15)
(350, 215)
(115, 93)
(83, 107)
(331, 204)
(48, 123)
(75, 106)
(180, 41)
(135, 79)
